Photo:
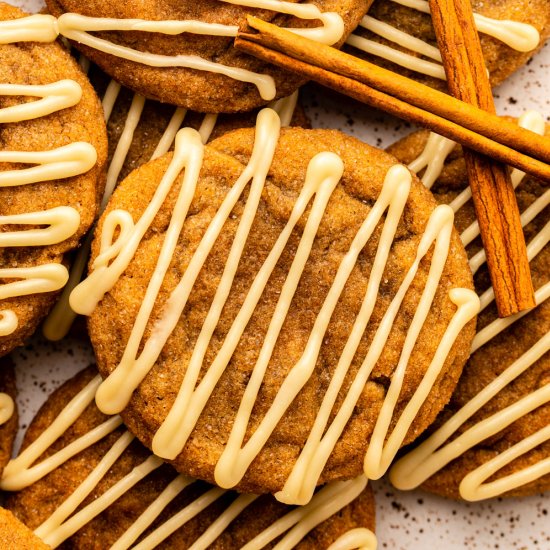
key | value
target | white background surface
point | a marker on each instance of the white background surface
(405, 521)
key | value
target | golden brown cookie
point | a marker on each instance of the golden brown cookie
(191, 88)
(501, 351)
(14, 534)
(38, 501)
(501, 59)
(365, 170)
(31, 63)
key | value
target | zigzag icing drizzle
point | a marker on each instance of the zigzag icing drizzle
(66, 520)
(435, 453)
(47, 28)
(64, 162)
(7, 407)
(323, 175)
(521, 37)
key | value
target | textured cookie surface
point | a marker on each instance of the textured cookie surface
(34, 63)
(14, 534)
(197, 90)
(34, 504)
(500, 352)
(225, 158)
(501, 60)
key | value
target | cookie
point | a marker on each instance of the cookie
(346, 208)
(511, 32)
(231, 82)
(62, 132)
(14, 534)
(511, 352)
(350, 508)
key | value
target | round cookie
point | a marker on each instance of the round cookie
(38, 501)
(31, 63)
(365, 170)
(191, 88)
(500, 351)
(501, 59)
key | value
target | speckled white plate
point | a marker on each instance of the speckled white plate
(405, 521)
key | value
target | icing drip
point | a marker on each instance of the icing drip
(70, 516)
(45, 28)
(7, 407)
(324, 173)
(63, 162)
(518, 36)
(360, 538)
(436, 452)
(71, 160)
(8, 322)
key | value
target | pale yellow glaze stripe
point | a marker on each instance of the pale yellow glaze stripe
(78, 27)
(62, 222)
(64, 162)
(54, 97)
(7, 407)
(299, 522)
(152, 512)
(323, 174)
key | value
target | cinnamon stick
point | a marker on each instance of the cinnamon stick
(401, 109)
(492, 191)
(273, 39)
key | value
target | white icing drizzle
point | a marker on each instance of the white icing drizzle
(19, 472)
(521, 37)
(78, 28)
(323, 175)
(62, 222)
(63, 162)
(66, 520)
(7, 407)
(54, 97)
(438, 451)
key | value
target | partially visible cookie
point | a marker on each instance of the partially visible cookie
(496, 353)
(29, 63)
(34, 504)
